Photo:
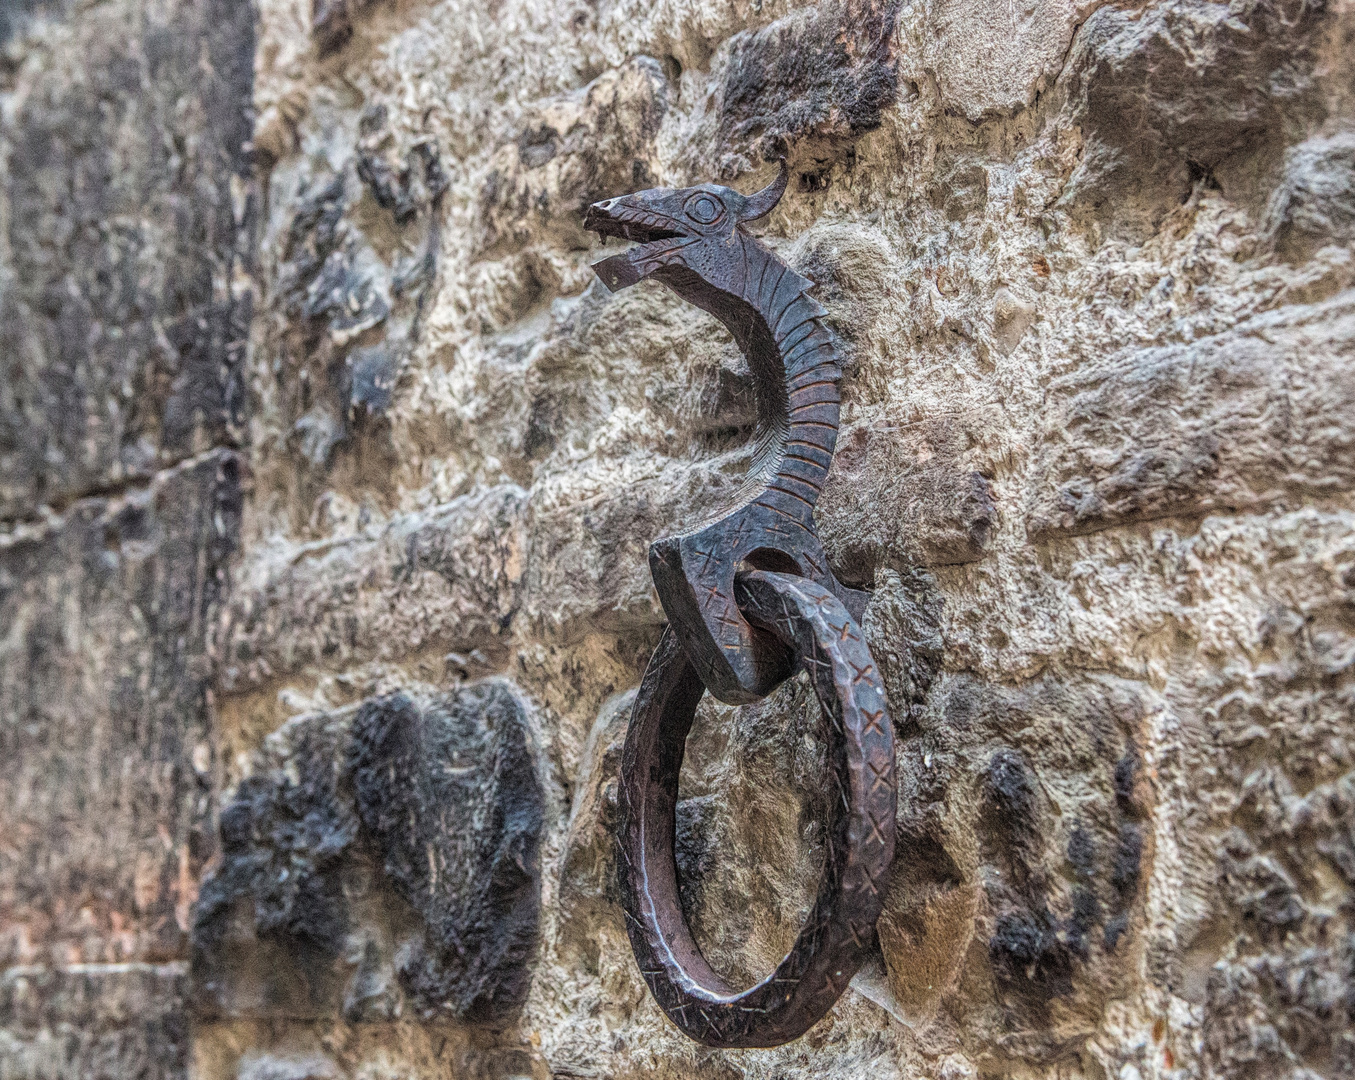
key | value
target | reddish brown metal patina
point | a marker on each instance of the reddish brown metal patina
(749, 598)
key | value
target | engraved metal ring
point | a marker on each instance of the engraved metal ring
(840, 930)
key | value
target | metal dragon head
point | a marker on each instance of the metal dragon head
(675, 227)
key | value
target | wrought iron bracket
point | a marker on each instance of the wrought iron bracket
(750, 598)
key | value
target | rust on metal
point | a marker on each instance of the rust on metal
(749, 598)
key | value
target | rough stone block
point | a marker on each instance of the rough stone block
(1176, 90)
(590, 145)
(450, 576)
(898, 494)
(380, 859)
(1022, 854)
(978, 81)
(124, 353)
(1229, 422)
(105, 694)
(1314, 204)
(95, 1022)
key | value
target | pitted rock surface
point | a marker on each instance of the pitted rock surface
(450, 795)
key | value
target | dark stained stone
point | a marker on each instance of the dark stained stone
(332, 22)
(1127, 771)
(1032, 960)
(538, 146)
(379, 857)
(1124, 874)
(122, 348)
(1056, 892)
(109, 799)
(271, 922)
(449, 794)
(827, 72)
(1029, 959)
(402, 190)
(1010, 793)
(346, 311)
(373, 372)
(1082, 852)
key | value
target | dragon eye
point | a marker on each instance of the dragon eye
(704, 209)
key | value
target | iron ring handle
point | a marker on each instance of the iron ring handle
(840, 930)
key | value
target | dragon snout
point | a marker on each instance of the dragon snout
(627, 217)
(605, 216)
(600, 209)
(652, 227)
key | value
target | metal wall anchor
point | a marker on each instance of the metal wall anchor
(749, 597)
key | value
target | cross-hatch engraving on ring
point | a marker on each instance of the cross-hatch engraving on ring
(749, 599)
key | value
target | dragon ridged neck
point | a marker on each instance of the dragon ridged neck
(778, 327)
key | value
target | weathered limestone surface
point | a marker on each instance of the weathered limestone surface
(327, 474)
(124, 326)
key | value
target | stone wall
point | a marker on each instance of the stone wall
(124, 334)
(328, 471)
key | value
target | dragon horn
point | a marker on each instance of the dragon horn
(761, 203)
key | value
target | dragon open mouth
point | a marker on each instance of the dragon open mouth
(654, 233)
(613, 218)
(641, 234)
